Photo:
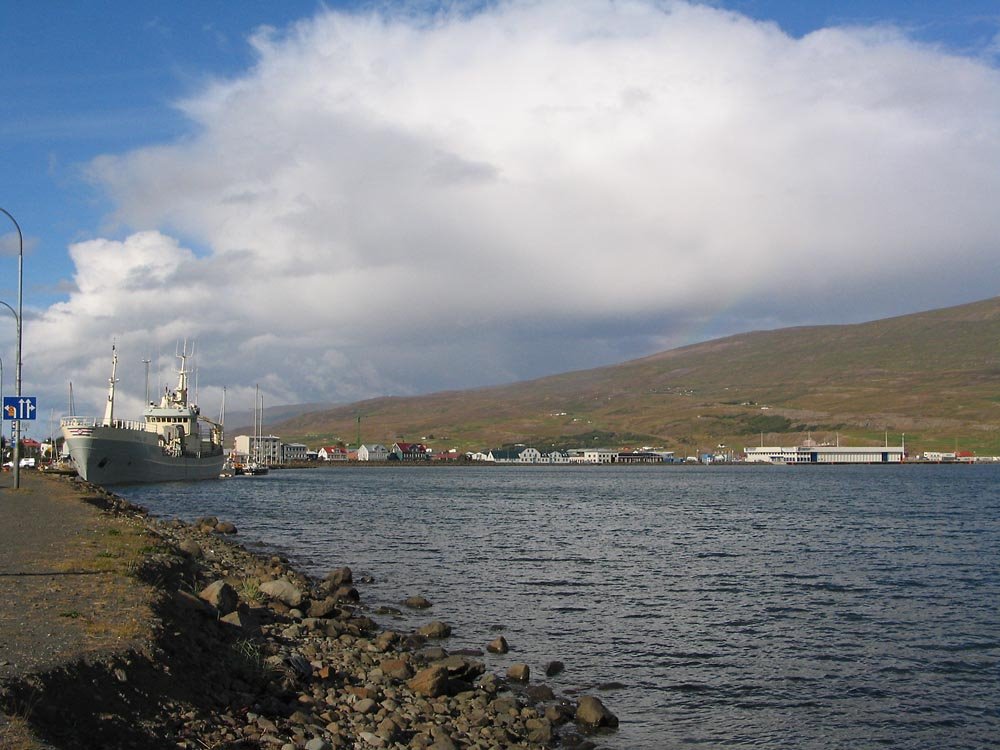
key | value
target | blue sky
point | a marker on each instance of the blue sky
(113, 114)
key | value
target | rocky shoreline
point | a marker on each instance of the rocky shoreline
(250, 653)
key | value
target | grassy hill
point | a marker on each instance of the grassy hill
(933, 375)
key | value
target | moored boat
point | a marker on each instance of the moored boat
(173, 441)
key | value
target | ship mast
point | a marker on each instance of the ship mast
(109, 408)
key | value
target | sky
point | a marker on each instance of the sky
(343, 200)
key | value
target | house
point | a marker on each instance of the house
(332, 453)
(409, 452)
(373, 452)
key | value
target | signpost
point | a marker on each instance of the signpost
(17, 408)
(20, 407)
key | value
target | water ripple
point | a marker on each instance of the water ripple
(715, 607)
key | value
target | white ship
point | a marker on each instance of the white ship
(173, 441)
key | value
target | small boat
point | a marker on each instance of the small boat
(173, 441)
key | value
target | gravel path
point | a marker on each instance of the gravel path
(43, 528)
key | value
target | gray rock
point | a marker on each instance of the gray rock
(519, 673)
(432, 681)
(553, 668)
(540, 693)
(347, 594)
(318, 743)
(190, 548)
(386, 640)
(417, 602)
(432, 653)
(339, 577)
(283, 590)
(324, 608)
(225, 527)
(592, 713)
(398, 669)
(436, 629)
(498, 646)
(539, 731)
(222, 596)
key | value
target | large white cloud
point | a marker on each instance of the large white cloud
(392, 203)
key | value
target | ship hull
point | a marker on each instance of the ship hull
(110, 455)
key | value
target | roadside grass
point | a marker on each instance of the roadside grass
(15, 733)
(117, 605)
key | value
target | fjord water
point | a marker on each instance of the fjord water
(805, 607)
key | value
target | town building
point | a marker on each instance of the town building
(265, 449)
(332, 453)
(826, 454)
(373, 452)
(409, 452)
(294, 452)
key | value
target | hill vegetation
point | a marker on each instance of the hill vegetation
(934, 376)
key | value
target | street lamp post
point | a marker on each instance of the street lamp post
(15, 431)
(1, 401)
(17, 369)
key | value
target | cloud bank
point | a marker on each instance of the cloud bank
(393, 203)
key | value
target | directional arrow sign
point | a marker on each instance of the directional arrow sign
(19, 407)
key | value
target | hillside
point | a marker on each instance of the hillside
(933, 375)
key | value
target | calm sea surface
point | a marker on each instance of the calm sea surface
(805, 607)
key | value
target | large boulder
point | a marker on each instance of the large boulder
(498, 646)
(519, 673)
(283, 590)
(338, 577)
(591, 713)
(436, 629)
(324, 608)
(190, 548)
(431, 682)
(222, 596)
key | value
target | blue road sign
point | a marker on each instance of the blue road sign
(19, 407)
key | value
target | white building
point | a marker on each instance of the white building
(332, 453)
(599, 456)
(374, 452)
(518, 455)
(265, 449)
(826, 454)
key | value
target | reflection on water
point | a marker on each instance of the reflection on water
(820, 607)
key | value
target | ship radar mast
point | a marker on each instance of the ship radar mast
(109, 408)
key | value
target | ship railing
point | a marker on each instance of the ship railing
(121, 424)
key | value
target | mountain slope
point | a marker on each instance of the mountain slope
(933, 375)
